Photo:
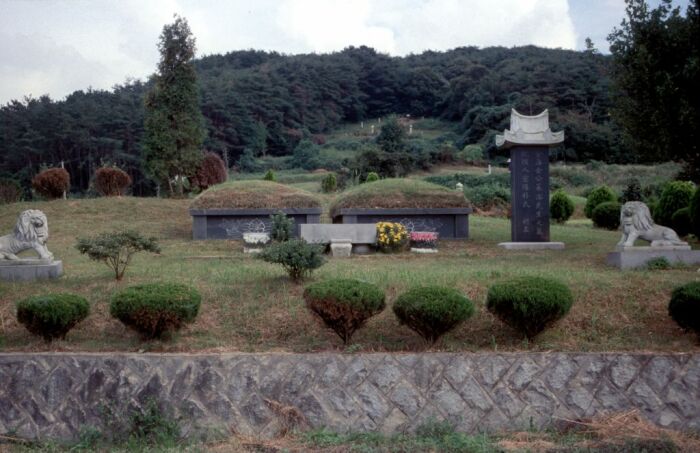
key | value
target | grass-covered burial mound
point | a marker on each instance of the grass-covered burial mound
(254, 194)
(399, 193)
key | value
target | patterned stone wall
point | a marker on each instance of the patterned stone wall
(57, 395)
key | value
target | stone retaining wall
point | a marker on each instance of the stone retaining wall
(56, 395)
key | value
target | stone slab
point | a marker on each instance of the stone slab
(532, 245)
(341, 249)
(28, 272)
(325, 233)
(633, 259)
(53, 396)
(423, 250)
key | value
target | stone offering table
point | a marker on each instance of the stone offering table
(359, 236)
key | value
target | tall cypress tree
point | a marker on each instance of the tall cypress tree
(174, 125)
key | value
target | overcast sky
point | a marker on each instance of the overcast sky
(57, 46)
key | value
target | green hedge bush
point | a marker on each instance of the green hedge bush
(680, 222)
(432, 311)
(607, 215)
(156, 309)
(329, 183)
(695, 213)
(297, 257)
(344, 305)
(372, 176)
(529, 304)
(597, 196)
(676, 195)
(561, 207)
(684, 306)
(52, 316)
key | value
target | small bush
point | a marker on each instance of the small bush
(372, 176)
(111, 181)
(282, 227)
(270, 176)
(155, 309)
(116, 249)
(676, 195)
(680, 222)
(561, 207)
(52, 316)
(529, 304)
(432, 311)
(597, 196)
(212, 171)
(10, 191)
(695, 213)
(488, 197)
(344, 305)
(51, 183)
(607, 215)
(684, 306)
(633, 191)
(329, 183)
(297, 257)
(658, 264)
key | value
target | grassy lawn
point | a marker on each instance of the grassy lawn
(249, 305)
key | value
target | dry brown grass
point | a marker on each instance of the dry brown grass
(253, 194)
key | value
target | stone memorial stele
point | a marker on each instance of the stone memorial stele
(31, 232)
(529, 139)
(636, 223)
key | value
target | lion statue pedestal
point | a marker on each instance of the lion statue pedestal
(31, 232)
(636, 223)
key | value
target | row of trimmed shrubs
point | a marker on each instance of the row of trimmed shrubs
(153, 310)
(527, 304)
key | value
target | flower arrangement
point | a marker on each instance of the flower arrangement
(391, 236)
(423, 241)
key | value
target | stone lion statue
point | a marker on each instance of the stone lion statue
(31, 232)
(636, 223)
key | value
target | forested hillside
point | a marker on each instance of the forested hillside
(268, 102)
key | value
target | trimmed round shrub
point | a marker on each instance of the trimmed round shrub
(344, 305)
(597, 196)
(329, 183)
(432, 311)
(296, 256)
(212, 171)
(111, 181)
(676, 195)
(372, 176)
(51, 183)
(561, 207)
(10, 191)
(680, 222)
(684, 306)
(270, 176)
(156, 309)
(52, 316)
(529, 304)
(607, 215)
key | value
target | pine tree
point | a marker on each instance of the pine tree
(174, 125)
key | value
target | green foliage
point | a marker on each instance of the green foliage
(561, 207)
(572, 177)
(269, 176)
(607, 215)
(173, 124)
(680, 222)
(297, 257)
(655, 72)
(282, 227)
(432, 311)
(473, 154)
(684, 306)
(247, 163)
(10, 191)
(155, 309)
(695, 213)
(151, 426)
(529, 304)
(344, 305)
(371, 177)
(329, 183)
(658, 264)
(391, 136)
(633, 191)
(597, 196)
(488, 197)
(52, 316)
(675, 195)
(305, 155)
(116, 249)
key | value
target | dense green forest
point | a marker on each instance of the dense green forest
(265, 103)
